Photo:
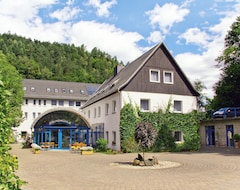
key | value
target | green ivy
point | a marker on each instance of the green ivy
(128, 121)
(165, 123)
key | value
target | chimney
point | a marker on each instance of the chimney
(117, 69)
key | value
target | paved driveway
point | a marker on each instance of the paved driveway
(62, 170)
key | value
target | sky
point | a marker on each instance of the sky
(192, 30)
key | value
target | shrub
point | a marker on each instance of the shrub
(102, 144)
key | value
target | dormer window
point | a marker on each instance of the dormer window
(154, 75)
(56, 90)
(33, 89)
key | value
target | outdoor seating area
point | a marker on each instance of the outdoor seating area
(80, 148)
(47, 145)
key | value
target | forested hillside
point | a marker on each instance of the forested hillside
(54, 61)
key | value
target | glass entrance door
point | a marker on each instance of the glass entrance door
(229, 135)
(210, 135)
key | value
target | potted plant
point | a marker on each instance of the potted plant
(86, 150)
(236, 138)
(37, 150)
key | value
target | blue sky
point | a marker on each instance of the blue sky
(192, 30)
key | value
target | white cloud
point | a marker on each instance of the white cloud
(195, 36)
(102, 8)
(203, 66)
(155, 37)
(164, 17)
(24, 9)
(108, 38)
(65, 14)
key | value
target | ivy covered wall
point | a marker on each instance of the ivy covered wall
(166, 124)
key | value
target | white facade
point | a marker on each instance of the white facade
(160, 101)
(33, 109)
(107, 111)
(43, 96)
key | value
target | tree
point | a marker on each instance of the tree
(10, 114)
(145, 135)
(227, 90)
(199, 86)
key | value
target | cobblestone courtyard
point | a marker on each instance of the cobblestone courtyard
(62, 170)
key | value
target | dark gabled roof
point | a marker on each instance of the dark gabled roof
(118, 82)
(48, 89)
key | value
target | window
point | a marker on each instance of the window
(82, 92)
(64, 90)
(114, 138)
(24, 88)
(95, 112)
(71, 103)
(34, 102)
(39, 113)
(54, 102)
(56, 90)
(178, 136)
(144, 105)
(114, 106)
(39, 102)
(107, 136)
(106, 109)
(34, 115)
(48, 89)
(78, 104)
(177, 106)
(33, 89)
(44, 102)
(26, 115)
(26, 101)
(61, 103)
(154, 75)
(168, 77)
(71, 91)
(99, 111)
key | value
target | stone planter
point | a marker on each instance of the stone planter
(86, 152)
(36, 151)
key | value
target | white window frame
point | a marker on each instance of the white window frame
(180, 137)
(106, 108)
(142, 108)
(164, 77)
(175, 107)
(71, 103)
(99, 111)
(78, 103)
(150, 75)
(61, 102)
(53, 102)
(114, 106)
(114, 134)
(95, 113)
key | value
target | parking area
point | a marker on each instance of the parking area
(210, 168)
